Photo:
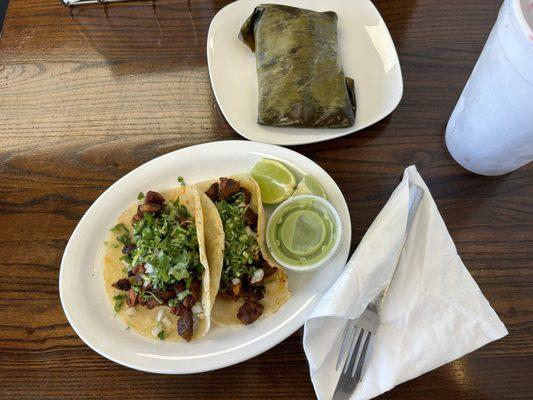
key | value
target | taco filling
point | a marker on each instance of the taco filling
(162, 262)
(244, 269)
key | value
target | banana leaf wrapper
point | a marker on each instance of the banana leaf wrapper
(299, 70)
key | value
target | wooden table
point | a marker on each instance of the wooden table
(86, 97)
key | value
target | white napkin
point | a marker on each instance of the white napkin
(433, 311)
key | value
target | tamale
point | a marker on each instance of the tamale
(299, 70)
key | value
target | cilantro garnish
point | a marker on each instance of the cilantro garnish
(118, 227)
(118, 301)
(173, 302)
(140, 196)
(161, 335)
(181, 180)
(125, 237)
(182, 295)
(147, 294)
(240, 246)
(163, 243)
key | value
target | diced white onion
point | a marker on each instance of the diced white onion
(148, 268)
(166, 322)
(130, 311)
(197, 308)
(235, 281)
(160, 315)
(200, 315)
(155, 331)
(249, 231)
(257, 276)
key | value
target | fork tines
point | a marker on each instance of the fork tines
(353, 350)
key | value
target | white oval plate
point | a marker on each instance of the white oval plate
(81, 279)
(368, 56)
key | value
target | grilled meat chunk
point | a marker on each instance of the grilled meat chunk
(122, 284)
(227, 188)
(250, 311)
(185, 325)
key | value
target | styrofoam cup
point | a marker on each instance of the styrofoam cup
(490, 131)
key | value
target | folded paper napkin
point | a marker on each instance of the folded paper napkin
(433, 311)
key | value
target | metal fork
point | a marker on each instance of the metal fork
(355, 346)
(358, 334)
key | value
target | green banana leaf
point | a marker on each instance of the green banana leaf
(299, 70)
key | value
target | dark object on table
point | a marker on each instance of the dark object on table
(3, 12)
(299, 70)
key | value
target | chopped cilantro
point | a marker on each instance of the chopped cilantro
(125, 258)
(170, 248)
(181, 180)
(166, 244)
(124, 239)
(161, 335)
(147, 294)
(118, 301)
(181, 209)
(173, 302)
(118, 227)
(140, 196)
(240, 247)
(182, 295)
(123, 233)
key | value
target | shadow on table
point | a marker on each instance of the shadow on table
(143, 37)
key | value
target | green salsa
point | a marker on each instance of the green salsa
(302, 232)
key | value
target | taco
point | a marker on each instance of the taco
(252, 286)
(156, 270)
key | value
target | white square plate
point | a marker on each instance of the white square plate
(368, 56)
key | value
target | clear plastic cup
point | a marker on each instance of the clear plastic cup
(490, 131)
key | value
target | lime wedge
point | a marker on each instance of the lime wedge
(274, 179)
(271, 191)
(309, 185)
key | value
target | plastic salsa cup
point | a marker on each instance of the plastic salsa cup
(304, 233)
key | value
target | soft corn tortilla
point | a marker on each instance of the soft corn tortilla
(276, 286)
(144, 320)
(214, 244)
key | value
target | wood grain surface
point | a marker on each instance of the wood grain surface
(88, 94)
